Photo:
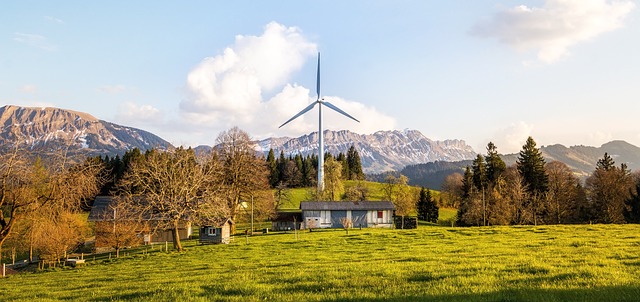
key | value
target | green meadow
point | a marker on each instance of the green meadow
(432, 263)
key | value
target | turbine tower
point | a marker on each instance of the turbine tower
(320, 102)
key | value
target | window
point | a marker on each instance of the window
(313, 214)
(211, 231)
(380, 214)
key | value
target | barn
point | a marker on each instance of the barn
(333, 214)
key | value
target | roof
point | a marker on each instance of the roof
(282, 216)
(99, 208)
(346, 205)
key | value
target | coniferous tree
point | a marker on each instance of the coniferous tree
(427, 207)
(495, 164)
(530, 164)
(480, 181)
(342, 159)
(609, 188)
(273, 169)
(355, 165)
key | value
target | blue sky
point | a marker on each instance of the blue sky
(562, 71)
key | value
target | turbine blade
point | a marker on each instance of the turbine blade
(300, 113)
(339, 110)
(318, 79)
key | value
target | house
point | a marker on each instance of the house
(332, 214)
(103, 215)
(216, 232)
(287, 221)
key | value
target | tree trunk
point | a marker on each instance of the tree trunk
(176, 237)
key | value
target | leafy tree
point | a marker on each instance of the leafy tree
(452, 190)
(333, 179)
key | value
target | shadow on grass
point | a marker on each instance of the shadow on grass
(617, 293)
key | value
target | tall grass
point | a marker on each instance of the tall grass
(550, 263)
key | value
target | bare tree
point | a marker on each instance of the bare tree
(43, 194)
(174, 188)
(452, 189)
(347, 224)
(121, 226)
(359, 192)
(245, 176)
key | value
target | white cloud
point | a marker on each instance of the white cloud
(34, 40)
(133, 114)
(112, 89)
(229, 89)
(512, 138)
(556, 26)
(53, 19)
(29, 88)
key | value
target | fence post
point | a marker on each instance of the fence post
(4, 270)
(166, 246)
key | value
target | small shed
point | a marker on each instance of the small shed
(214, 233)
(287, 221)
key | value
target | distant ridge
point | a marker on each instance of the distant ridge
(580, 159)
(48, 128)
(379, 152)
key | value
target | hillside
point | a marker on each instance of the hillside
(49, 128)
(580, 159)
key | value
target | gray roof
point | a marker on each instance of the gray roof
(99, 208)
(346, 205)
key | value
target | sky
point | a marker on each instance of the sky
(562, 71)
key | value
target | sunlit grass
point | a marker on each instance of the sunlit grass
(550, 263)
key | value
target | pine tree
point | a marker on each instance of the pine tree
(342, 159)
(427, 207)
(273, 169)
(530, 165)
(495, 164)
(355, 165)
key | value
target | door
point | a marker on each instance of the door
(359, 219)
(336, 218)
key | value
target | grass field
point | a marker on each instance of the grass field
(550, 263)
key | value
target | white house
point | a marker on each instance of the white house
(332, 214)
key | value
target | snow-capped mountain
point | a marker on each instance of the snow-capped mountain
(379, 152)
(44, 128)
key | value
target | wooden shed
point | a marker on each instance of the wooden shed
(214, 233)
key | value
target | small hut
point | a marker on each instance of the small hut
(214, 233)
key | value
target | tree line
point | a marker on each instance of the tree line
(296, 171)
(535, 192)
(40, 199)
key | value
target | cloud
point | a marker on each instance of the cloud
(556, 26)
(29, 88)
(512, 138)
(112, 89)
(229, 89)
(133, 114)
(34, 40)
(53, 19)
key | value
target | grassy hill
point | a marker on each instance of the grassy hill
(550, 263)
(375, 193)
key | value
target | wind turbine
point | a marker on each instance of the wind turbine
(320, 102)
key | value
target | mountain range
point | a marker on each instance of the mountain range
(41, 129)
(409, 151)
